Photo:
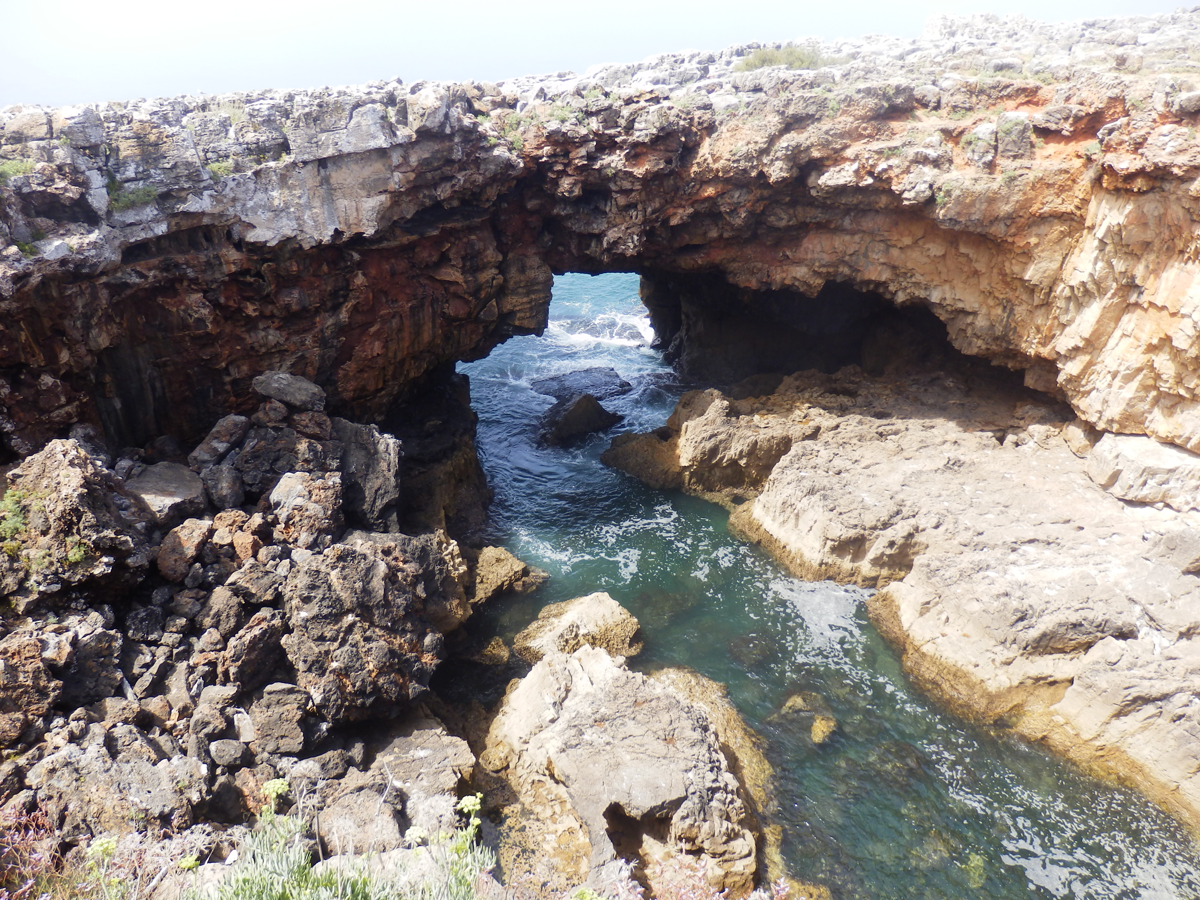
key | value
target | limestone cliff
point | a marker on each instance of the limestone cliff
(1034, 185)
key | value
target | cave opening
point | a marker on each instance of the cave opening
(713, 332)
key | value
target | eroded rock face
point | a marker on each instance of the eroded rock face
(1044, 212)
(1016, 587)
(651, 777)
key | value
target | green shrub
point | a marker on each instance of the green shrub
(788, 55)
(275, 864)
(12, 514)
(10, 168)
(120, 198)
(220, 169)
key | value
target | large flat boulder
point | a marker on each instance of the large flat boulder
(1139, 468)
(602, 758)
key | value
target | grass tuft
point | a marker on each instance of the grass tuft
(789, 55)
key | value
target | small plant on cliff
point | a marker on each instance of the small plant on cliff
(220, 169)
(274, 863)
(10, 168)
(12, 514)
(121, 199)
(788, 55)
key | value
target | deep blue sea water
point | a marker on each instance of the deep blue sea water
(904, 801)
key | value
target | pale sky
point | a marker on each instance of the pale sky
(59, 52)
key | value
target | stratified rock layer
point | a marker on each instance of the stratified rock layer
(161, 254)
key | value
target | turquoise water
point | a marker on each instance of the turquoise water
(903, 801)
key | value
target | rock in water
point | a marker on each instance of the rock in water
(596, 620)
(601, 382)
(602, 756)
(574, 417)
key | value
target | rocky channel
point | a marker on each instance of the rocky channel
(243, 515)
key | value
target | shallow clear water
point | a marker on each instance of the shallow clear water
(903, 801)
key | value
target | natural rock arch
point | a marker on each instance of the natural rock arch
(364, 237)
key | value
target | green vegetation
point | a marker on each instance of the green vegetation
(120, 198)
(12, 514)
(275, 864)
(788, 55)
(220, 169)
(27, 248)
(563, 113)
(76, 552)
(234, 109)
(9, 168)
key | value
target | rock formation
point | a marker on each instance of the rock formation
(602, 757)
(1018, 589)
(181, 634)
(363, 237)
(194, 625)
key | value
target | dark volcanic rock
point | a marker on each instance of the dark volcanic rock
(296, 392)
(599, 381)
(370, 475)
(575, 417)
(69, 528)
(359, 644)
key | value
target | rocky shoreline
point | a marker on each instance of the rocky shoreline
(1018, 590)
(284, 281)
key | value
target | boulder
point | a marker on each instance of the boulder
(68, 526)
(575, 417)
(278, 715)
(93, 671)
(435, 560)
(358, 641)
(1141, 469)
(224, 436)
(1014, 136)
(596, 620)
(253, 654)
(360, 822)
(308, 508)
(370, 475)
(131, 787)
(180, 548)
(224, 486)
(426, 764)
(601, 382)
(171, 491)
(296, 392)
(600, 755)
(497, 572)
(27, 688)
